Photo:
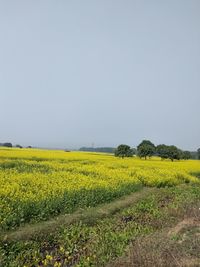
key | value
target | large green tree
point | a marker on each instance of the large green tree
(146, 149)
(123, 151)
(162, 151)
(174, 153)
(186, 155)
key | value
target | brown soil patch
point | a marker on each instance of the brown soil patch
(178, 246)
(188, 222)
(193, 262)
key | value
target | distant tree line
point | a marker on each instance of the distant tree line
(7, 144)
(19, 146)
(98, 149)
(146, 149)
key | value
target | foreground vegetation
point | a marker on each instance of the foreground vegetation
(79, 209)
(98, 242)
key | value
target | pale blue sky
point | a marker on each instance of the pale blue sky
(106, 72)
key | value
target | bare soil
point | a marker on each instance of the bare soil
(174, 246)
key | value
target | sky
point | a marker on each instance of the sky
(100, 72)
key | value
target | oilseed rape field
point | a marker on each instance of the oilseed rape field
(39, 184)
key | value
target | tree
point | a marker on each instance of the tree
(186, 155)
(123, 151)
(162, 151)
(173, 153)
(7, 144)
(146, 149)
(198, 153)
(19, 146)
